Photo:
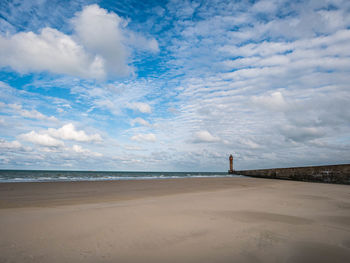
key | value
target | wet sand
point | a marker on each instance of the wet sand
(175, 220)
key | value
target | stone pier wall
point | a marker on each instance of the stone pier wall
(328, 173)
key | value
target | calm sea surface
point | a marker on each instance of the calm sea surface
(54, 176)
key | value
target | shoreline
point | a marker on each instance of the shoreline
(14, 176)
(119, 179)
(22, 194)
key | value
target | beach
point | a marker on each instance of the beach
(175, 220)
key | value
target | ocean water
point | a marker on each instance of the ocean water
(55, 176)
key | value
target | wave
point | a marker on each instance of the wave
(69, 176)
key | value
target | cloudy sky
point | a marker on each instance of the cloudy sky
(174, 85)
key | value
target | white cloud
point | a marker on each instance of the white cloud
(205, 136)
(32, 114)
(50, 50)
(267, 6)
(274, 101)
(41, 139)
(10, 145)
(140, 121)
(133, 148)
(249, 143)
(69, 132)
(143, 43)
(140, 106)
(301, 134)
(86, 152)
(96, 49)
(150, 137)
(101, 32)
(16, 107)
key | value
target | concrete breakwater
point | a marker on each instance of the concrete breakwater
(339, 174)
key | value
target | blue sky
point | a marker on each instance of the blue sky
(174, 85)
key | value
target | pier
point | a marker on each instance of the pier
(339, 174)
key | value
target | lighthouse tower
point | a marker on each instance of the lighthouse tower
(231, 164)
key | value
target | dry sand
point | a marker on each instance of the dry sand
(177, 220)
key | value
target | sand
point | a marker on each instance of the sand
(175, 220)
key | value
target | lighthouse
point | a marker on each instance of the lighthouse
(231, 164)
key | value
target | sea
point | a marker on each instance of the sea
(58, 176)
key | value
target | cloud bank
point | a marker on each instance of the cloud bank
(98, 47)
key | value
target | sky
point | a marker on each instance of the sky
(174, 85)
